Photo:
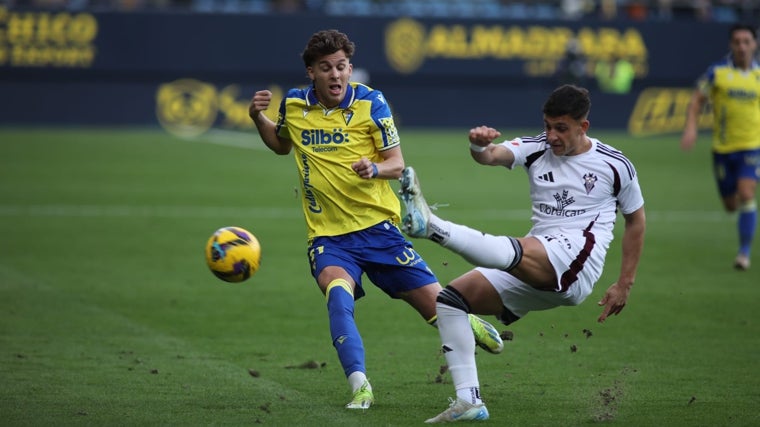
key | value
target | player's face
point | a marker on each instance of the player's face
(331, 75)
(566, 136)
(743, 47)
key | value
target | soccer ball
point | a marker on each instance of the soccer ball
(233, 254)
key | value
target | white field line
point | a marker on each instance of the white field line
(115, 211)
(250, 140)
(147, 211)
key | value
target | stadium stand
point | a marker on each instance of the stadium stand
(634, 10)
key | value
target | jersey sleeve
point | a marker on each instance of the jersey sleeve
(281, 126)
(623, 177)
(385, 135)
(524, 148)
(705, 81)
(630, 197)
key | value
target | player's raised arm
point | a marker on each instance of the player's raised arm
(486, 153)
(266, 127)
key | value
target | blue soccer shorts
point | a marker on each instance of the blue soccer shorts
(729, 168)
(380, 251)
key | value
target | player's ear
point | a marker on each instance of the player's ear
(310, 73)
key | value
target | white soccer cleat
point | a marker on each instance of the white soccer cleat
(741, 262)
(415, 222)
(460, 410)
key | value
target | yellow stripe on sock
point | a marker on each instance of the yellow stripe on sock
(432, 320)
(342, 283)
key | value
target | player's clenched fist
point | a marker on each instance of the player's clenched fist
(483, 135)
(259, 103)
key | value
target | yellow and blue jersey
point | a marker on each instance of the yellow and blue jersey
(735, 96)
(326, 142)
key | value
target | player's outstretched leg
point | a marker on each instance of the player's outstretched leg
(481, 249)
(460, 410)
(415, 222)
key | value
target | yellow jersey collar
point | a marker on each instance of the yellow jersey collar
(311, 97)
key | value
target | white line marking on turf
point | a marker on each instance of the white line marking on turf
(294, 212)
(148, 211)
(250, 140)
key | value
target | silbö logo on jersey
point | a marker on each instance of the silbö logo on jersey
(308, 193)
(321, 140)
(742, 94)
(562, 202)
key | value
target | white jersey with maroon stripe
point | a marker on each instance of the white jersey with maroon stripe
(572, 192)
(574, 208)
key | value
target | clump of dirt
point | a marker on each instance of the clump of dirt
(309, 364)
(440, 378)
(609, 398)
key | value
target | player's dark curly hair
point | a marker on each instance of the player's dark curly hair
(742, 27)
(568, 100)
(326, 42)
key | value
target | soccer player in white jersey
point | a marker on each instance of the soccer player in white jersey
(577, 186)
(346, 149)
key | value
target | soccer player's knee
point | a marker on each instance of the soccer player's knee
(451, 297)
(518, 251)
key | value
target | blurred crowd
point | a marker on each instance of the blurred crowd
(636, 10)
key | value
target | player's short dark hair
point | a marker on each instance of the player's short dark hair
(742, 27)
(570, 100)
(326, 42)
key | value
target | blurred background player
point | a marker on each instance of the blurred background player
(733, 85)
(577, 185)
(346, 149)
(571, 68)
(615, 75)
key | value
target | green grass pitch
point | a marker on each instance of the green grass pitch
(109, 316)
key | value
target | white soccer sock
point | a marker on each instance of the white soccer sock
(470, 395)
(478, 248)
(459, 351)
(356, 380)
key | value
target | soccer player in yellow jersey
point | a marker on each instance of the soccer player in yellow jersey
(346, 148)
(733, 85)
